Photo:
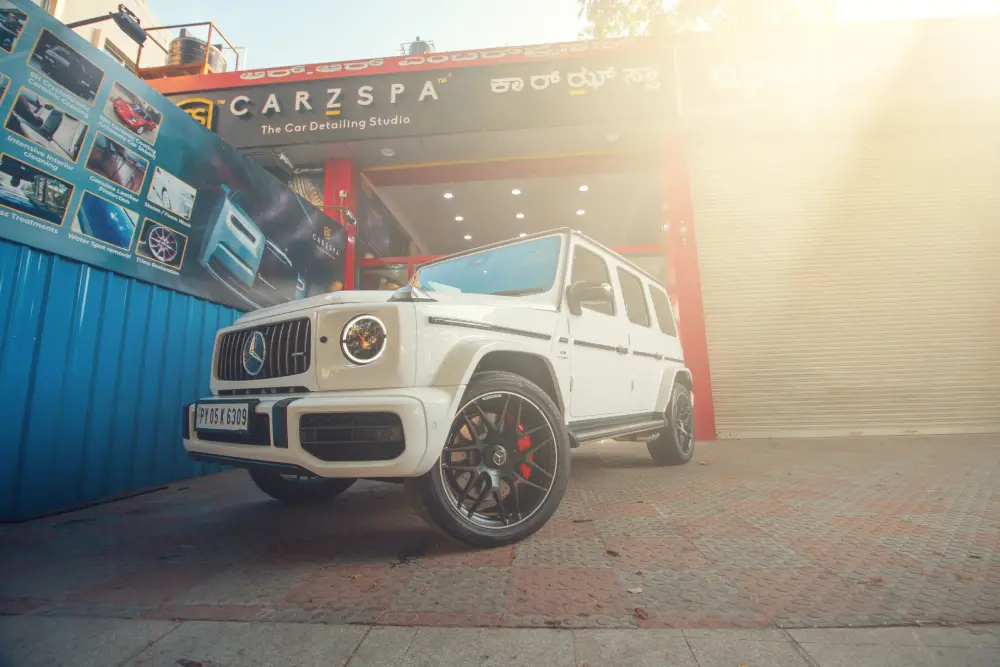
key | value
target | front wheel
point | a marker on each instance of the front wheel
(504, 467)
(298, 490)
(675, 445)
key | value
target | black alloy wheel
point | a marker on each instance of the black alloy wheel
(504, 467)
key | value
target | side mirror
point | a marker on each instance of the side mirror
(586, 293)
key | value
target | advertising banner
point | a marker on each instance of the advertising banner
(97, 166)
(376, 224)
(596, 89)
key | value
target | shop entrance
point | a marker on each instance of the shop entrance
(621, 209)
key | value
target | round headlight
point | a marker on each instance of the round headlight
(363, 339)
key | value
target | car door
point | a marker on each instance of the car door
(669, 344)
(645, 359)
(598, 337)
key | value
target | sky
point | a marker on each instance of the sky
(291, 32)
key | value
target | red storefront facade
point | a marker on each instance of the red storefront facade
(682, 111)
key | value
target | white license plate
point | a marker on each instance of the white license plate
(231, 417)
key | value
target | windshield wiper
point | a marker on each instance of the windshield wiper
(518, 292)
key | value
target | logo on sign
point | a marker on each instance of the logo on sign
(201, 109)
(253, 354)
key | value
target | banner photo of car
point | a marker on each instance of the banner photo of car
(97, 166)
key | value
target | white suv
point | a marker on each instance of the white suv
(470, 384)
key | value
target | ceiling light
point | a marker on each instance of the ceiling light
(388, 152)
(612, 137)
(519, 216)
(468, 237)
(584, 188)
(448, 195)
(580, 212)
(522, 235)
(515, 191)
(459, 218)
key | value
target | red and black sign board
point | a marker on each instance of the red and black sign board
(612, 88)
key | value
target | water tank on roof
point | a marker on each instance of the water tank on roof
(188, 50)
(419, 47)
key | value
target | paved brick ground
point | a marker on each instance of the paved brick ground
(750, 534)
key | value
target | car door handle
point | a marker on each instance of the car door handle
(621, 350)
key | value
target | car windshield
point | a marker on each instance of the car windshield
(513, 270)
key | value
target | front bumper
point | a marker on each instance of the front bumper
(425, 415)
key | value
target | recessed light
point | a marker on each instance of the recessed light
(468, 237)
(522, 235)
(584, 188)
(519, 216)
(515, 191)
(459, 218)
(388, 152)
(580, 212)
(448, 195)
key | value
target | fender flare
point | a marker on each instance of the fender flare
(667, 382)
(462, 360)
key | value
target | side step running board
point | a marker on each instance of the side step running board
(605, 432)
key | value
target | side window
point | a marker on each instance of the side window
(661, 305)
(635, 300)
(591, 267)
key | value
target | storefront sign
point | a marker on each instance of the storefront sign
(412, 63)
(607, 89)
(848, 65)
(98, 167)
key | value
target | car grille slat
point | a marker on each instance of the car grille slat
(287, 351)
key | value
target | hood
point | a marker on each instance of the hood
(313, 302)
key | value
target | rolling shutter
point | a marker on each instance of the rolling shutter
(851, 287)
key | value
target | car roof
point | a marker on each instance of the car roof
(559, 231)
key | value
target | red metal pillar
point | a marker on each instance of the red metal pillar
(684, 282)
(341, 177)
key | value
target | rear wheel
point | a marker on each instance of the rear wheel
(675, 445)
(298, 489)
(505, 465)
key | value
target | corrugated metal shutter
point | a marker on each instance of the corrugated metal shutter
(851, 287)
(94, 369)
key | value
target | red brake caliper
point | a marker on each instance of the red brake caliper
(522, 444)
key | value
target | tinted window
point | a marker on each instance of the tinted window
(591, 267)
(661, 306)
(512, 270)
(635, 300)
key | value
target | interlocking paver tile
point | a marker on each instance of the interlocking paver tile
(654, 553)
(482, 590)
(642, 526)
(564, 591)
(351, 586)
(749, 552)
(796, 533)
(562, 552)
(673, 594)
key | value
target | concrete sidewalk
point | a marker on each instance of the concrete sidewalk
(30, 641)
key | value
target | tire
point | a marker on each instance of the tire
(675, 445)
(535, 486)
(301, 491)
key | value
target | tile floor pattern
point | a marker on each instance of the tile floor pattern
(753, 534)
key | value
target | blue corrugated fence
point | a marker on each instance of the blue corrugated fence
(94, 368)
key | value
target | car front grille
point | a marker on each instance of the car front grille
(287, 351)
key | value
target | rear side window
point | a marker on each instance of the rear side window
(635, 300)
(591, 267)
(661, 305)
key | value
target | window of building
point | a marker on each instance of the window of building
(635, 301)
(661, 305)
(119, 55)
(591, 267)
